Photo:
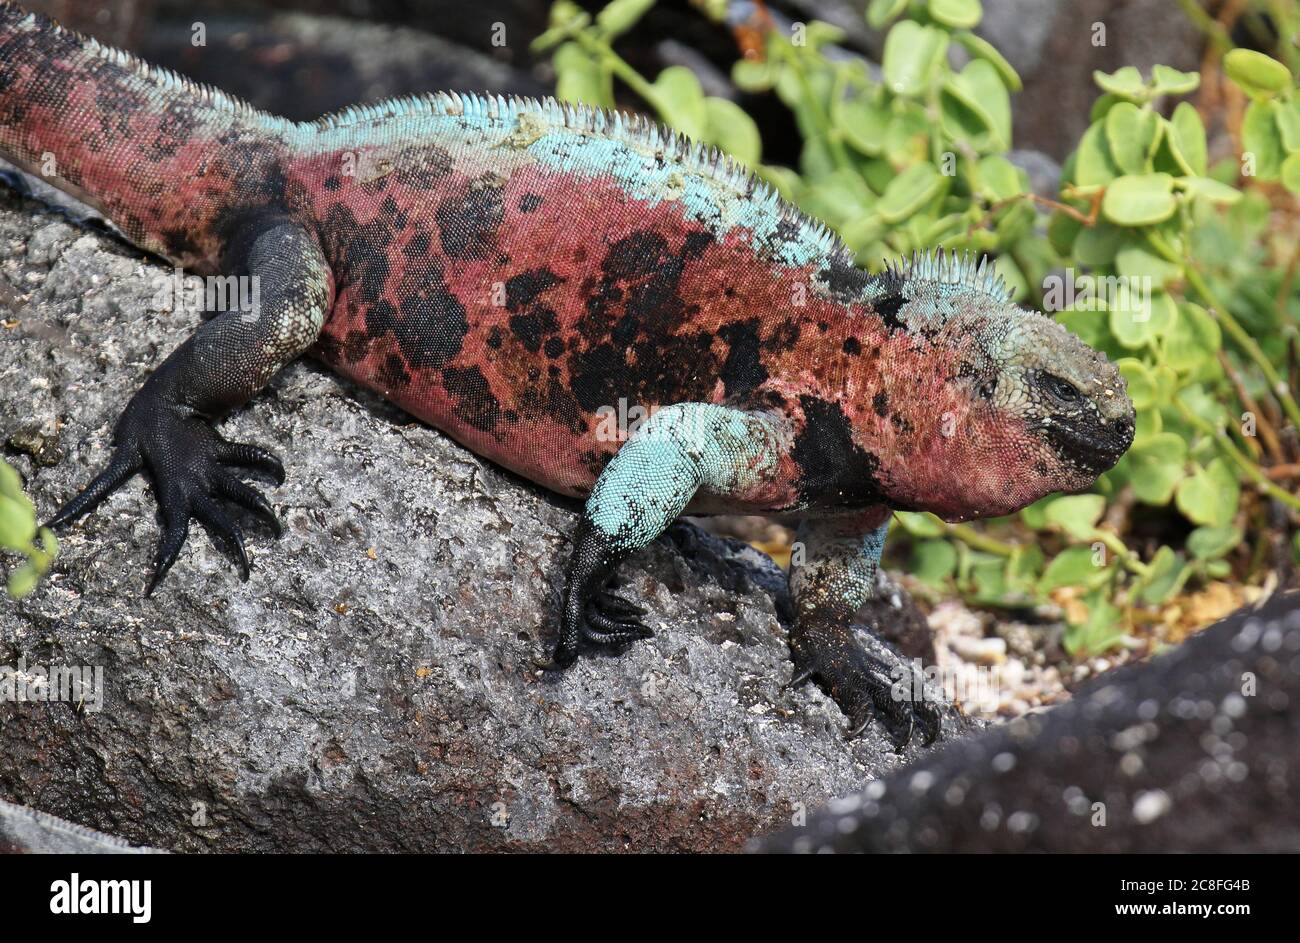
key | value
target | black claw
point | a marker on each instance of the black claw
(221, 526)
(243, 455)
(616, 606)
(250, 498)
(122, 467)
(169, 548)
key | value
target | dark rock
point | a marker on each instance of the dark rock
(1196, 750)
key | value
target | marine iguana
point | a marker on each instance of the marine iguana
(516, 272)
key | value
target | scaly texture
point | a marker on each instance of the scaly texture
(525, 275)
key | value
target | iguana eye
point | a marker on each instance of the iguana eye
(1063, 390)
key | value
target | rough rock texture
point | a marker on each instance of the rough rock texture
(373, 687)
(1197, 750)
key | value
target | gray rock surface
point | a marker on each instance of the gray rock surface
(1197, 750)
(373, 686)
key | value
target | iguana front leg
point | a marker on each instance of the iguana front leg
(166, 428)
(681, 451)
(840, 558)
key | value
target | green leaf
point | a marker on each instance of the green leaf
(1186, 138)
(17, 522)
(1259, 76)
(1074, 566)
(1194, 338)
(681, 101)
(23, 580)
(1157, 467)
(731, 129)
(1288, 123)
(1210, 543)
(1290, 173)
(912, 56)
(1093, 164)
(1261, 140)
(1136, 261)
(982, 49)
(1076, 514)
(1140, 381)
(1137, 320)
(1164, 577)
(919, 523)
(11, 484)
(1140, 200)
(1098, 244)
(753, 75)
(619, 16)
(579, 78)
(980, 90)
(1101, 631)
(933, 561)
(1209, 189)
(1131, 134)
(999, 179)
(909, 191)
(863, 124)
(959, 14)
(1125, 83)
(1209, 495)
(880, 12)
(1169, 81)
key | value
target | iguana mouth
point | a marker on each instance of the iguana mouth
(1094, 447)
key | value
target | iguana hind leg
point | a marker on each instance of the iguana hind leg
(167, 427)
(835, 577)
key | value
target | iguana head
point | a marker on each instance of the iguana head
(1018, 407)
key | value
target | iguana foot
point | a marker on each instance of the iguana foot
(607, 621)
(190, 465)
(864, 686)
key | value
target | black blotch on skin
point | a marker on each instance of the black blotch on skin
(834, 470)
(523, 289)
(532, 326)
(419, 245)
(475, 402)
(393, 372)
(422, 166)
(554, 347)
(179, 242)
(333, 183)
(852, 347)
(641, 253)
(888, 308)
(429, 327)
(844, 280)
(880, 403)
(529, 202)
(494, 338)
(355, 346)
(468, 221)
(743, 369)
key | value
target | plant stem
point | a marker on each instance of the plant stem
(1251, 470)
(1211, 27)
(1247, 343)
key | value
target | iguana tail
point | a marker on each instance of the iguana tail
(155, 153)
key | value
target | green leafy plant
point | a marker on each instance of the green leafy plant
(1189, 291)
(19, 534)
